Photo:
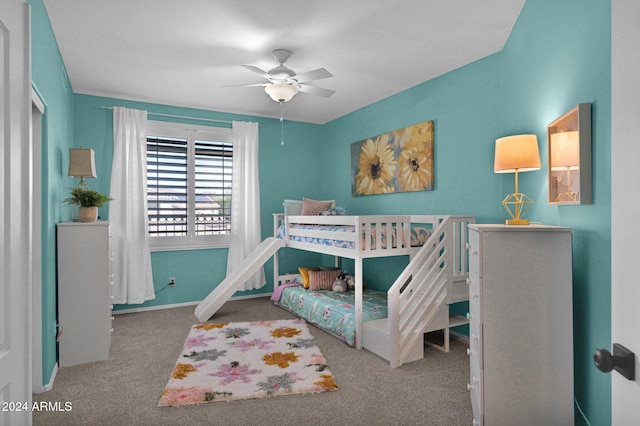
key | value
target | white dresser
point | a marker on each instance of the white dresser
(521, 325)
(84, 291)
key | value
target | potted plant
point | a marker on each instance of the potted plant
(88, 200)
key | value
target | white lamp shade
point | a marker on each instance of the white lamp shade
(519, 152)
(565, 152)
(82, 162)
(281, 92)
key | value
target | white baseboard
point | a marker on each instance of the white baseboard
(459, 336)
(48, 386)
(178, 305)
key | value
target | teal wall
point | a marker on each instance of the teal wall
(557, 56)
(51, 82)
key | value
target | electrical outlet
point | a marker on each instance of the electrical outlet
(172, 281)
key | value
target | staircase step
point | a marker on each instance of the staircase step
(458, 299)
(376, 339)
(459, 291)
(456, 320)
(379, 326)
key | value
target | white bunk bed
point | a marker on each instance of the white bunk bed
(418, 301)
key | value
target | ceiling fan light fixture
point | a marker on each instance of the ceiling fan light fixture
(282, 73)
(281, 92)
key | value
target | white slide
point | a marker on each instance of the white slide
(230, 284)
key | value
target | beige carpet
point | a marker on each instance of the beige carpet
(125, 389)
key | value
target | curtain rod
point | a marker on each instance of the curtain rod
(158, 114)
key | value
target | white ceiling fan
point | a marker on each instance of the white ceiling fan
(283, 82)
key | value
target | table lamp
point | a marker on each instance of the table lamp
(82, 164)
(514, 154)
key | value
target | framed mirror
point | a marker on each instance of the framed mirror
(569, 149)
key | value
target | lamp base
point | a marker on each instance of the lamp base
(516, 222)
(517, 205)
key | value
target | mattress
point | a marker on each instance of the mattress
(419, 236)
(333, 311)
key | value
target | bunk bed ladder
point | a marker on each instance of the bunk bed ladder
(417, 301)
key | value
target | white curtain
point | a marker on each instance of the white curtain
(132, 278)
(246, 233)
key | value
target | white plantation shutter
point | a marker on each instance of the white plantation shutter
(189, 184)
(213, 175)
(167, 186)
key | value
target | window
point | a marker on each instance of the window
(189, 174)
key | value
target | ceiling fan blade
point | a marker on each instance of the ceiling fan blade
(247, 85)
(319, 91)
(318, 74)
(258, 71)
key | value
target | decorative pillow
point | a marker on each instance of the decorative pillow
(292, 207)
(304, 273)
(314, 207)
(323, 280)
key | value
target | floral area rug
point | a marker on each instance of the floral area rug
(224, 362)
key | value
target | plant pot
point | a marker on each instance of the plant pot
(87, 214)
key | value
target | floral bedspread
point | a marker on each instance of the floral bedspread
(333, 311)
(419, 236)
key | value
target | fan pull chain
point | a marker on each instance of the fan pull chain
(282, 122)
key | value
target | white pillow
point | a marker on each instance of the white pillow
(292, 207)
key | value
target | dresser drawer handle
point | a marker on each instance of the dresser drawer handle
(475, 381)
(468, 316)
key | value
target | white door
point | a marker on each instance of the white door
(625, 202)
(15, 212)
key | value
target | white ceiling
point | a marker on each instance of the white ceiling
(180, 52)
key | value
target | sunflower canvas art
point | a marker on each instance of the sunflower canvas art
(398, 161)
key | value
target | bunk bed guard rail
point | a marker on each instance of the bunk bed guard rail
(365, 236)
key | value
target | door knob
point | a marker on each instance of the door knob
(622, 360)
